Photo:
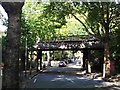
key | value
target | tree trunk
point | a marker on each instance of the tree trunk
(106, 65)
(89, 67)
(22, 61)
(88, 62)
(11, 61)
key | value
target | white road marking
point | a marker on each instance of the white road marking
(35, 80)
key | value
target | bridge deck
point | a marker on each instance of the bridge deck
(70, 45)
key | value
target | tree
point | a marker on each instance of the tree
(101, 22)
(11, 60)
(98, 19)
(115, 43)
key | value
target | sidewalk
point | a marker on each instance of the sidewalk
(25, 78)
(0, 78)
(0, 82)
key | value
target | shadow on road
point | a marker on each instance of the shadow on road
(63, 81)
(67, 78)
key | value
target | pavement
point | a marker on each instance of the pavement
(0, 78)
(47, 80)
(70, 77)
(60, 81)
(0, 82)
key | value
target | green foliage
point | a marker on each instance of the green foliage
(115, 43)
(47, 22)
(72, 28)
(99, 17)
(34, 26)
(61, 12)
(57, 55)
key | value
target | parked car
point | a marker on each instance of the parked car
(78, 63)
(66, 61)
(62, 64)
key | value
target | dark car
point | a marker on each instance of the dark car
(62, 64)
(65, 60)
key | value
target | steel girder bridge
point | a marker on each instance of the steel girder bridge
(84, 45)
(70, 45)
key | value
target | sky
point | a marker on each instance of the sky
(2, 27)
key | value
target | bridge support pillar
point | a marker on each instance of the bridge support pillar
(86, 61)
(85, 55)
(39, 60)
(48, 56)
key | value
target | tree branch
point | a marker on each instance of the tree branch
(81, 23)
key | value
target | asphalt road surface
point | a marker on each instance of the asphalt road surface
(46, 80)
(57, 80)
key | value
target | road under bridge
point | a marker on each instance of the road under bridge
(83, 45)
